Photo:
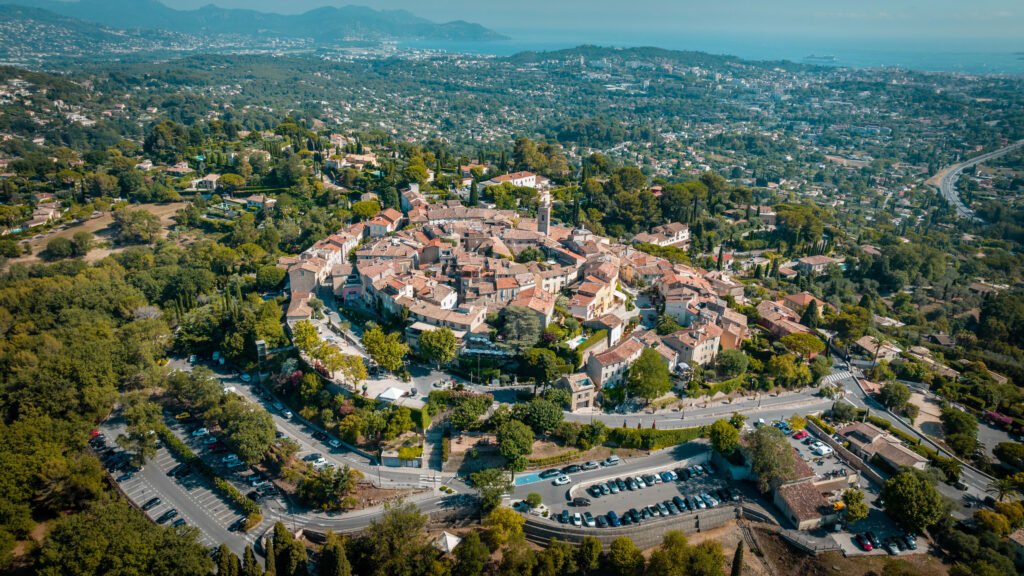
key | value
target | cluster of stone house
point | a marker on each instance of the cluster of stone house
(450, 265)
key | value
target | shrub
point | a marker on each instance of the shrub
(651, 439)
(825, 426)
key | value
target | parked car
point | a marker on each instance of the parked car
(579, 501)
(620, 484)
(178, 523)
(911, 541)
(613, 519)
(125, 477)
(611, 461)
(334, 443)
(602, 522)
(873, 539)
(800, 435)
(167, 516)
(588, 520)
(319, 436)
(564, 517)
(151, 503)
(591, 466)
(571, 469)
(562, 481)
(577, 519)
(605, 489)
(200, 432)
(550, 473)
(890, 547)
(864, 543)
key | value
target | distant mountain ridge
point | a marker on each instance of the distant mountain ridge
(324, 25)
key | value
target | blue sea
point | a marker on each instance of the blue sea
(980, 56)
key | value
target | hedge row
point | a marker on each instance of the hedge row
(727, 386)
(556, 459)
(446, 448)
(253, 512)
(825, 426)
(594, 339)
(947, 465)
(651, 439)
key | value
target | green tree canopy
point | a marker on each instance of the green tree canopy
(439, 346)
(725, 438)
(648, 377)
(912, 501)
(772, 457)
(515, 440)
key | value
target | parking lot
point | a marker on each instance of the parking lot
(188, 499)
(878, 524)
(668, 490)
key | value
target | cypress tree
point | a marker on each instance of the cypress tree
(333, 561)
(250, 567)
(271, 564)
(737, 560)
(227, 562)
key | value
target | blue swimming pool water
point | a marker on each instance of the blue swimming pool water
(525, 479)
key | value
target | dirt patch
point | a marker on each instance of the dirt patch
(783, 559)
(101, 228)
(927, 421)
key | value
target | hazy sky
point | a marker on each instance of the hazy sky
(904, 20)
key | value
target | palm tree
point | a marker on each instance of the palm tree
(1002, 488)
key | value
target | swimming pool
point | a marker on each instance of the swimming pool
(572, 344)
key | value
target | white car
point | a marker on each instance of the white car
(200, 433)
(562, 481)
(287, 414)
(246, 378)
(640, 482)
(822, 450)
(577, 520)
(320, 462)
(229, 459)
(334, 443)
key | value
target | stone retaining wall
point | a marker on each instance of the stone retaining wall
(646, 535)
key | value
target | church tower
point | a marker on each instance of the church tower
(544, 214)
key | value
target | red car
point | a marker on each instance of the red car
(864, 543)
(801, 435)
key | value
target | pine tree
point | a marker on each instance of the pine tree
(474, 194)
(721, 248)
(250, 566)
(737, 560)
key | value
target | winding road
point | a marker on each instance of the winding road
(948, 178)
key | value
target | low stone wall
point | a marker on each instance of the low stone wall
(646, 535)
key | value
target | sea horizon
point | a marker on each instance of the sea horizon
(959, 56)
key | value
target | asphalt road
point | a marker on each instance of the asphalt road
(976, 482)
(947, 186)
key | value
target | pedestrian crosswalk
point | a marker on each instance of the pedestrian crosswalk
(835, 377)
